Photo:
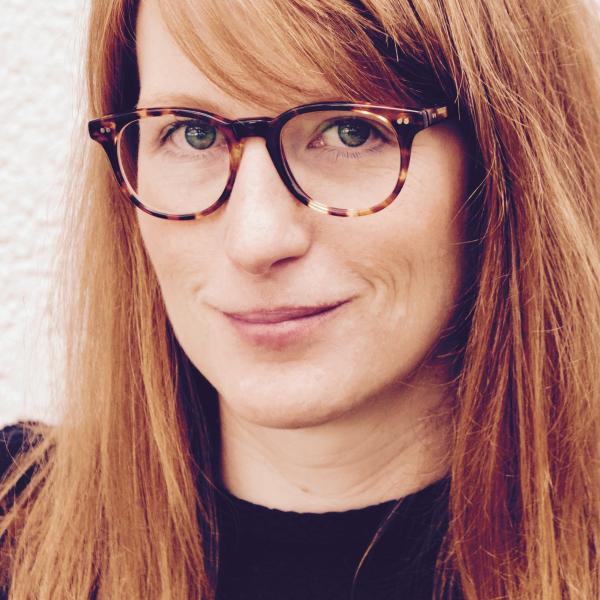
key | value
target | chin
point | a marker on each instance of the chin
(295, 407)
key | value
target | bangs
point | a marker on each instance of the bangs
(268, 50)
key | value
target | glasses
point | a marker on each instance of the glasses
(339, 158)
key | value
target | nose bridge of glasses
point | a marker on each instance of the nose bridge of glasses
(256, 127)
(268, 129)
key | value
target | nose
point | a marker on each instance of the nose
(265, 224)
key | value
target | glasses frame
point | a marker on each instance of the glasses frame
(406, 122)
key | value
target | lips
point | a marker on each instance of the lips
(278, 315)
(285, 327)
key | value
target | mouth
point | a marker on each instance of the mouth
(283, 326)
(281, 314)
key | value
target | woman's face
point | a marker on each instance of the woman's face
(396, 274)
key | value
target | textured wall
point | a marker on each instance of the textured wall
(38, 41)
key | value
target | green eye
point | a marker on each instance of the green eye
(354, 133)
(200, 137)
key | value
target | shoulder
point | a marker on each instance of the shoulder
(14, 440)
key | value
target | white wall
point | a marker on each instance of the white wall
(38, 66)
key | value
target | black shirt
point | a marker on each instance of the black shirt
(268, 554)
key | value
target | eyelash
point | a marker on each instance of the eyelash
(350, 154)
(173, 128)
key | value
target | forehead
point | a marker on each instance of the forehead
(169, 78)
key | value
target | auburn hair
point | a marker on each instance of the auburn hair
(121, 499)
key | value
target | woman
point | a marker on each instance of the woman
(413, 364)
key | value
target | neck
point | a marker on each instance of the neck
(394, 445)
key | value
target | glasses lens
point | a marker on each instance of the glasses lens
(343, 159)
(174, 165)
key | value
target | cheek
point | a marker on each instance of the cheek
(415, 281)
(415, 262)
(182, 265)
(437, 261)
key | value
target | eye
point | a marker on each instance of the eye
(200, 137)
(351, 133)
(189, 136)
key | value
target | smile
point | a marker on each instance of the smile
(278, 328)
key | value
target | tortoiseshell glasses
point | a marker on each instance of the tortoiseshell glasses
(339, 158)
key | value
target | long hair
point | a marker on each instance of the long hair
(121, 500)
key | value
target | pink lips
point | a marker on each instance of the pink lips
(278, 315)
(282, 326)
